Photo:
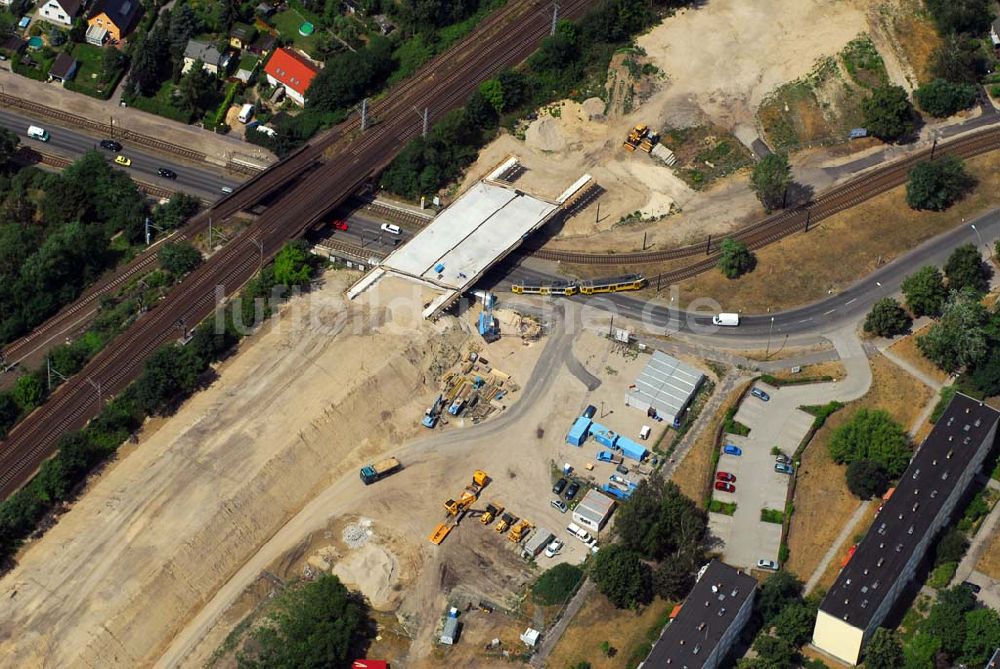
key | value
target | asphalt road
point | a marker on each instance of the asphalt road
(818, 317)
(71, 143)
(363, 230)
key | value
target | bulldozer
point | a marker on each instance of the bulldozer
(649, 141)
(519, 531)
(506, 520)
(636, 136)
(490, 514)
(455, 507)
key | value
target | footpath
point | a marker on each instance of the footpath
(218, 149)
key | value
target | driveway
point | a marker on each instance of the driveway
(775, 423)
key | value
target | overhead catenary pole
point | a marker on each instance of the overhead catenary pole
(555, 18)
(424, 116)
(364, 114)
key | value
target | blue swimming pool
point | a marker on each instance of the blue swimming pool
(36, 42)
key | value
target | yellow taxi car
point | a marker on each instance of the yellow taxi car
(123, 161)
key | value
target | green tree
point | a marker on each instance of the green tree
(958, 339)
(197, 89)
(961, 16)
(982, 636)
(735, 258)
(621, 576)
(937, 184)
(169, 375)
(9, 142)
(770, 180)
(984, 376)
(780, 590)
(492, 90)
(921, 651)
(951, 547)
(659, 522)
(174, 212)
(28, 392)
(959, 59)
(887, 318)
(946, 620)
(884, 650)
(8, 413)
(775, 653)
(321, 624)
(291, 265)
(872, 434)
(888, 113)
(867, 479)
(965, 270)
(351, 75)
(795, 622)
(941, 98)
(925, 291)
(673, 578)
(149, 67)
(179, 258)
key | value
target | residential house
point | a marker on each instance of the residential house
(879, 573)
(247, 67)
(63, 68)
(203, 51)
(117, 18)
(292, 71)
(60, 12)
(12, 45)
(263, 45)
(242, 36)
(265, 9)
(995, 32)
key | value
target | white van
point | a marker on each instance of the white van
(578, 532)
(246, 111)
(34, 132)
(728, 320)
(391, 229)
(644, 432)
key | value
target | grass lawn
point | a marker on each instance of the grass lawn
(629, 632)
(822, 500)
(88, 76)
(287, 23)
(161, 104)
(842, 249)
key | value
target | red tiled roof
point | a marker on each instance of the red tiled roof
(291, 69)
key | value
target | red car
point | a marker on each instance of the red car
(725, 487)
(340, 225)
(726, 476)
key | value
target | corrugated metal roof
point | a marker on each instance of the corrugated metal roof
(666, 384)
(594, 506)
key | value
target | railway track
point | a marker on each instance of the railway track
(311, 188)
(787, 222)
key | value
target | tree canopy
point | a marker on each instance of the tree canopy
(958, 340)
(872, 435)
(887, 318)
(941, 98)
(9, 143)
(966, 270)
(659, 522)
(292, 266)
(622, 576)
(736, 259)
(888, 113)
(961, 16)
(884, 650)
(179, 258)
(867, 479)
(925, 291)
(770, 179)
(321, 624)
(937, 184)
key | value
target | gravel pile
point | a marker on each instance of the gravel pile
(358, 534)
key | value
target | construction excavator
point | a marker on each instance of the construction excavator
(490, 514)
(519, 531)
(458, 508)
(506, 520)
(641, 137)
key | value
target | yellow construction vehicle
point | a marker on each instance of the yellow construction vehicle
(492, 511)
(480, 480)
(440, 532)
(519, 531)
(455, 507)
(635, 136)
(649, 141)
(506, 520)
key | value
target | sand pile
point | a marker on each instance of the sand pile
(373, 571)
(544, 135)
(593, 109)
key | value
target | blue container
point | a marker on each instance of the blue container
(632, 450)
(606, 437)
(578, 433)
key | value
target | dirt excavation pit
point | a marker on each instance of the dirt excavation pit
(373, 571)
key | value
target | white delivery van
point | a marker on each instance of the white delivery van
(246, 111)
(391, 229)
(578, 532)
(644, 432)
(728, 320)
(34, 132)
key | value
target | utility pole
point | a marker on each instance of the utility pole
(597, 219)
(933, 146)
(708, 246)
(767, 351)
(424, 115)
(364, 114)
(808, 215)
(658, 277)
(50, 371)
(644, 241)
(555, 18)
(97, 386)
(150, 227)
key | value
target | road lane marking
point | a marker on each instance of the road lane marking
(853, 299)
(805, 320)
(827, 313)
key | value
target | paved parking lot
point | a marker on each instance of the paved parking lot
(777, 422)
